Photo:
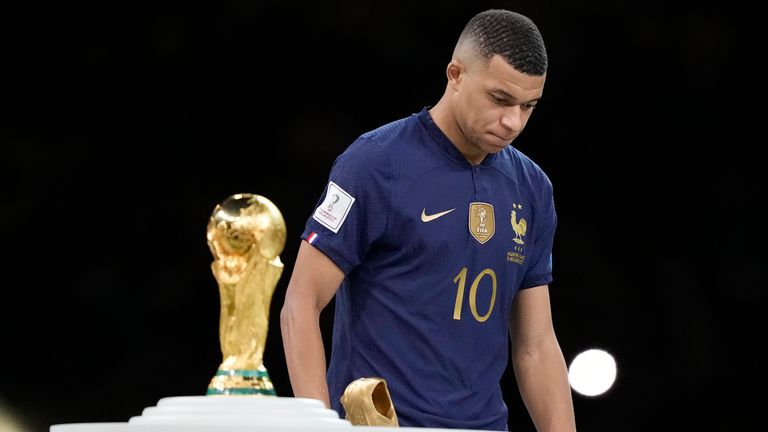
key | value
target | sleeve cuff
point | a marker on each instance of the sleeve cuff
(536, 280)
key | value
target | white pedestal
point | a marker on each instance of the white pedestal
(234, 414)
(223, 413)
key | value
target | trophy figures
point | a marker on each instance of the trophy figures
(246, 234)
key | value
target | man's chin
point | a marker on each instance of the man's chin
(497, 146)
(496, 143)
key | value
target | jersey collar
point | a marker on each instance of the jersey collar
(444, 143)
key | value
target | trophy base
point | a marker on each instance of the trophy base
(241, 382)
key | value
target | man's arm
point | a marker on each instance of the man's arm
(313, 283)
(540, 369)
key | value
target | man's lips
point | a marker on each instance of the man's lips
(502, 138)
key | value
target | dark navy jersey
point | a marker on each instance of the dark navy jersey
(434, 251)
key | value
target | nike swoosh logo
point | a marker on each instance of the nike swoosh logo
(429, 218)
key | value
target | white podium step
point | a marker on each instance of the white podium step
(223, 413)
(235, 414)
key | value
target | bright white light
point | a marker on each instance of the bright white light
(592, 372)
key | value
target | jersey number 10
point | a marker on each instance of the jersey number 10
(461, 280)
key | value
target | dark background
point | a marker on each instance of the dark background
(123, 125)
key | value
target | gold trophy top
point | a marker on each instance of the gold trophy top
(240, 227)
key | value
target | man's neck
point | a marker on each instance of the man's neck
(445, 120)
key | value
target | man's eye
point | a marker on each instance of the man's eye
(499, 100)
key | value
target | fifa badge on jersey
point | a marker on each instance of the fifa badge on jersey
(482, 224)
(335, 207)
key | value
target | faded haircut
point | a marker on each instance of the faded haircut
(509, 34)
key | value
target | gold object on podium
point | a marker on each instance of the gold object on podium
(367, 403)
(246, 234)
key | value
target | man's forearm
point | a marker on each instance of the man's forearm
(304, 352)
(542, 378)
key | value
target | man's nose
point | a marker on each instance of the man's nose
(512, 118)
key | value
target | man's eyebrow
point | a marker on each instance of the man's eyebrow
(503, 93)
(509, 96)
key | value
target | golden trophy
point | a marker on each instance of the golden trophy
(246, 234)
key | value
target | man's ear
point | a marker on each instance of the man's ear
(454, 72)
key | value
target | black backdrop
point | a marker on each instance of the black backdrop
(123, 125)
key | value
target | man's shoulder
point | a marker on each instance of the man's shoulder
(388, 140)
(394, 131)
(372, 149)
(524, 170)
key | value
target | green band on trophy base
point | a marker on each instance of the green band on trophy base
(241, 391)
(247, 373)
(241, 382)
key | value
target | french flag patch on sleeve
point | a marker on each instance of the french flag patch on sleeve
(311, 237)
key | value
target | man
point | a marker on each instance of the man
(435, 236)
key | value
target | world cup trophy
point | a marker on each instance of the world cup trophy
(246, 234)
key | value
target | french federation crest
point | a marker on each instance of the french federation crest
(518, 226)
(482, 224)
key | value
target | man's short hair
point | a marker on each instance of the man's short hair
(509, 34)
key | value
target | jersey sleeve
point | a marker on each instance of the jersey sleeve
(540, 270)
(352, 211)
